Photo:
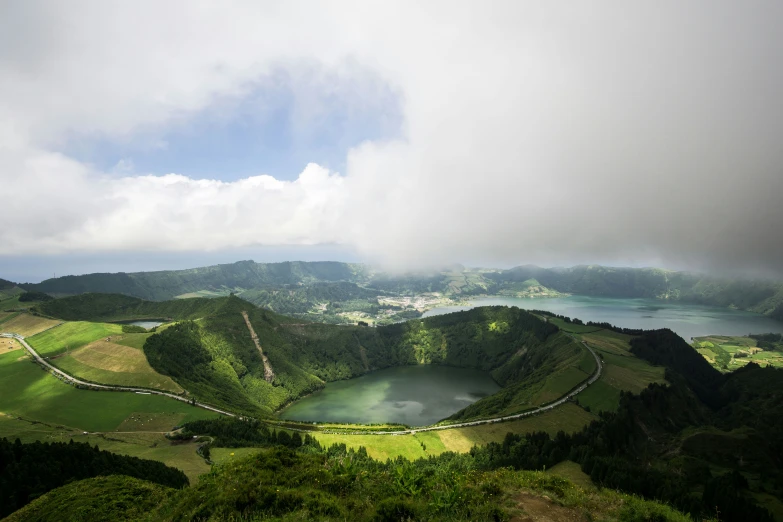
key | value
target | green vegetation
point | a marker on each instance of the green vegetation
(698, 441)
(29, 392)
(623, 371)
(29, 470)
(140, 435)
(71, 336)
(110, 363)
(115, 497)
(29, 297)
(116, 307)
(216, 360)
(268, 283)
(27, 324)
(339, 484)
(726, 353)
(8, 290)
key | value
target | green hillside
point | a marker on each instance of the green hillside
(215, 359)
(310, 483)
(696, 440)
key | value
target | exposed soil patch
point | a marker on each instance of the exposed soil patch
(541, 509)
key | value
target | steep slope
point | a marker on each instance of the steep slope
(214, 355)
(218, 361)
(704, 442)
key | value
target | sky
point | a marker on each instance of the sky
(149, 135)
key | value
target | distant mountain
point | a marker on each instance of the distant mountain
(9, 289)
(765, 297)
(167, 284)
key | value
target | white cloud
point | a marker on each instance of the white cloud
(532, 132)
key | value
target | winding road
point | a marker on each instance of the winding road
(541, 409)
(105, 387)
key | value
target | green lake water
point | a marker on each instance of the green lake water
(687, 320)
(412, 395)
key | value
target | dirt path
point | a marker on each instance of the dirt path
(269, 375)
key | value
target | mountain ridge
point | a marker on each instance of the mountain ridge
(759, 296)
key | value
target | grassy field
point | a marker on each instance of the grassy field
(572, 328)
(569, 418)
(572, 471)
(7, 316)
(13, 303)
(134, 340)
(224, 455)
(727, 353)
(28, 325)
(110, 363)
(622, 371)
(142, 444)
(70, 336)
(28, 391)
(559, 384)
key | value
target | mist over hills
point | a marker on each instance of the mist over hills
(340, 281)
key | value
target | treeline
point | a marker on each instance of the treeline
(298, 299)
(615, 468)
(665, 348)
(230, 432)
(28, 297)
(616, 452)
(117, 307)
(597, 325)
(768, 341)
(27, 471)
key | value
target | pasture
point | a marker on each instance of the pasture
(136, 340)
(7, 316)
(560, 383)
(568, 417)
(622, 371)
(110, 363)
(28, 391)
(27, 325)
(726, 353)
(571, 327)
(142, 444)
(70, 336)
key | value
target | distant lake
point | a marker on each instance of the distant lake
(146, 324)
(687, 320)
(412, 395)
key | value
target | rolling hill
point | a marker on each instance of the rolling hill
(211, 353)
(263, 281)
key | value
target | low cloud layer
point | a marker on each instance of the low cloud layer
(556, 133)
